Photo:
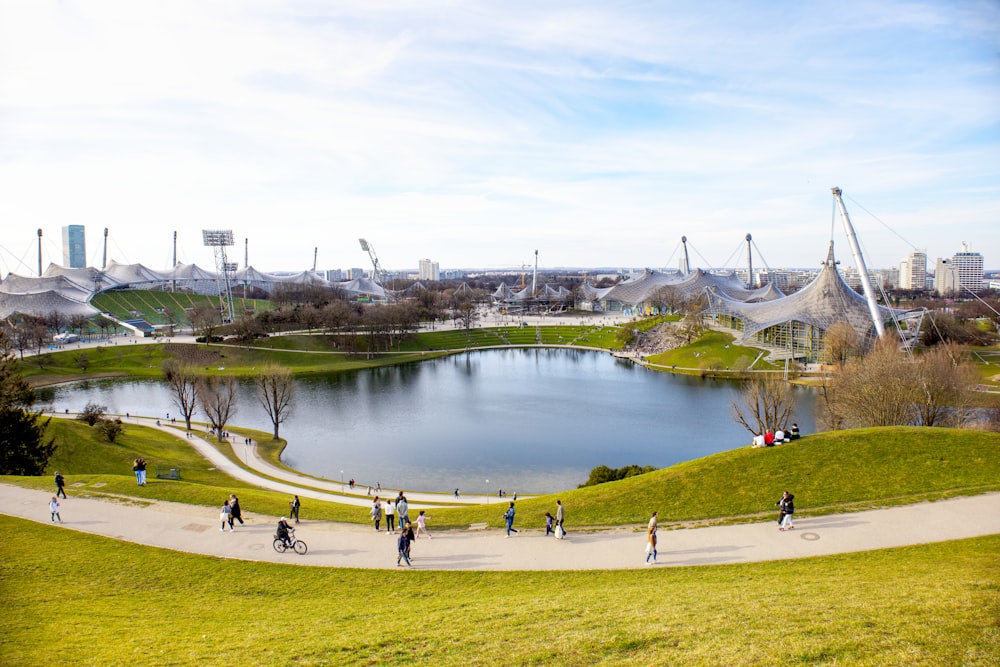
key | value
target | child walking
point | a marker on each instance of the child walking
(54, 509)
(421, 525)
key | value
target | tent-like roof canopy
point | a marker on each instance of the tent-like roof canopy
(820, 304)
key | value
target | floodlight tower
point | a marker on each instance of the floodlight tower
(534, 276)
(859, 263)
(749, 262)
(39, 252)
(220, 239)
(687, 261)
(377, 273)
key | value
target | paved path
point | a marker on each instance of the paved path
(196, 529)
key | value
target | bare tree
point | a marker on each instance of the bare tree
(205, 318)
(946, 382)
(275, 390)
(217, 396)
(766, 402)
(183, 384)
(841, 343)
(878, 390)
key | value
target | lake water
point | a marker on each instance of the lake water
(529, 421)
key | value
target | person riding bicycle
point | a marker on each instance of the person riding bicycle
(285, 532)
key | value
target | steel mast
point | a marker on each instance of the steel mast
(859, 262)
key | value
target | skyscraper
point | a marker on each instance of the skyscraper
(913, 271)
(429, 270)
(970, 268)
(74, 247)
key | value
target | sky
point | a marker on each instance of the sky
(475, 133)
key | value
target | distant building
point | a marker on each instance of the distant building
(913, 271)
(970, 268)
(334, 275)
(946, 277)
(355, 273)
(428, 270)
(74, 247)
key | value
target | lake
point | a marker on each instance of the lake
(527, 420)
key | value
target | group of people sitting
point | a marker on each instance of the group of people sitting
(770, 438)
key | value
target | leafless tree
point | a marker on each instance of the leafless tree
(766, 402)
(275, 390)
(946, 381)
(217, 396)
(841, 343)
(183, 385)
(205, 319)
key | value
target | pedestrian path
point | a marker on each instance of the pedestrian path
(195, 529)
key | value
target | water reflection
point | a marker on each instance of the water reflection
(527, 420)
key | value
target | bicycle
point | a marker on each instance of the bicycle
(293, 543)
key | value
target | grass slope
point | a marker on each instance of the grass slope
(827, 472)
(82, 599)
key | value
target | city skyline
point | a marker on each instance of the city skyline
(475, 134)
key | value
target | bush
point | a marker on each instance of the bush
(92, 414)
(602, 474)
(110, 428)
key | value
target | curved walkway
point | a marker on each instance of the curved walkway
(195, 529)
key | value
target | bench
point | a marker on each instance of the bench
(168, 473)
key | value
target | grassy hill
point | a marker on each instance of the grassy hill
(828, 472)
(157, 307)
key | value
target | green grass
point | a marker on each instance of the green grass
(83, 599)
(159, 307)
(713, 351)
(96, 468)
(828, 472)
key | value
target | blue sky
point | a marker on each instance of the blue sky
(473, 133)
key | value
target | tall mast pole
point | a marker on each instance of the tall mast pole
(173, 283)
(749, 263)
(104, 259)
(39, 252)
(687, 261)
(534, 276)
(859, 262)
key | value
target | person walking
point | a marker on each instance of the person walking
(390, 516)
(410, 537)
(234, 508)
(651, 544)
(226, 516)
(786, 508)
(54, 509)
(548, 524)
(293, 507)
(60, 484)
(422, 526)
(135, 469)
(403, 549)
(140, 471)
(376, 512)
(508, 518)
(560, 519)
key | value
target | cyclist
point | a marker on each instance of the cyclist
(284, 532)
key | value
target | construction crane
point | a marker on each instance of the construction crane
(377, 272)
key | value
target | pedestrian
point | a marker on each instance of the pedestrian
(402, 510)
(234, 508)
(410, 537)
(651, 544)
(456, 493)
(226, 516)
(141, 471)
(422, 526)
(60, 484)
(560, 519)
(403, 549)
(652, 522)
(390, 516)
(508, 518)
(376, 512)
(54, 509)
(293, 507)
(548, 524)
(786, 508)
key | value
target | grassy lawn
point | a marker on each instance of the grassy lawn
(83, 599)
(828, 472)
(714, 350)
